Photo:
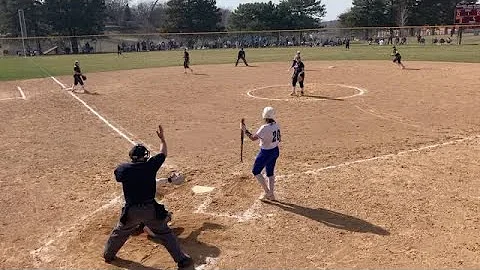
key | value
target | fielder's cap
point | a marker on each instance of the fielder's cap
(298, 52)
(268, 113)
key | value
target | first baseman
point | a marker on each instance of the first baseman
(78, 78)
(270, 137)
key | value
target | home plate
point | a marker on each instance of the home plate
(202, 189)
(331, 67)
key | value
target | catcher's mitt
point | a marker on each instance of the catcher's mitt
(84, 77)
(176, 178)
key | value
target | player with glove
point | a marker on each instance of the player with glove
(78, 78)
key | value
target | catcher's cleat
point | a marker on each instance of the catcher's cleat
(185, 263)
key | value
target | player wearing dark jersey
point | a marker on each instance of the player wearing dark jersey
(78, 78)
(298, 76)
(241, 55)
(397, 57)
(186, 61)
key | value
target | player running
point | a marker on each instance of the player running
(241, 55)
(269, 136)
(186, 61)
(298, 75)
(398, 57)
(78, 78)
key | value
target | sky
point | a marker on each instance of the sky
(334, 7)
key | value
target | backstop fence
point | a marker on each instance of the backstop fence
(382, 36)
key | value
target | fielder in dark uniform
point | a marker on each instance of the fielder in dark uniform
(241, 55)
(139, 188)
(186, 61)
(298, 75)
(398, 57)
(78, 78)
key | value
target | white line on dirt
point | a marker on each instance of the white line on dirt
(21, 93)
(250, 214)
(10, 98)
(361, 92)
(114, 128)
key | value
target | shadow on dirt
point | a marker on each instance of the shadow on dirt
(198, 250)
(323, 97)
(332, 219)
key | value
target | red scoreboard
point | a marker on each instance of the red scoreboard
(467, 14)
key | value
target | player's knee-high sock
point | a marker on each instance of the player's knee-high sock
(271, 184)
(262, 181)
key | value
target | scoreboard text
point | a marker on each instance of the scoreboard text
(467, 14)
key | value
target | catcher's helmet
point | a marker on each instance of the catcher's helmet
(139, 153)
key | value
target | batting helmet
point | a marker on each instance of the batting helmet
(268, 113)
(139, 153)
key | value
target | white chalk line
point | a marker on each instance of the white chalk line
(250, 213)
(386, 118)
(361, 92)
(11, 98)
(21, 93)
(105, 121)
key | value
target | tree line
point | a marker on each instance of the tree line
(89, 17)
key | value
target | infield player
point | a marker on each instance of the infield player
(78, 78)
(138, 179)
(397, 57)
(241, 56)
(186, 61)
(270, 137)
(298, 75)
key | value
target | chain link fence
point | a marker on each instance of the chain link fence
(419, 35)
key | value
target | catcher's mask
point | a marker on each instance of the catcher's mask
(139, 153)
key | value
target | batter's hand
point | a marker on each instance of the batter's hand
(160, 132)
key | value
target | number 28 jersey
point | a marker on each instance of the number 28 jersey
(269, 135)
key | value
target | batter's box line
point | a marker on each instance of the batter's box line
(250, 213)
(22, 95)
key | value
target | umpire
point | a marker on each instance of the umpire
(139, 188)
(241, 55)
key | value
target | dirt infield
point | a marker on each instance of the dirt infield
(379, 167)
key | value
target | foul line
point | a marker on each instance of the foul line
(21, 93)
(118, 131)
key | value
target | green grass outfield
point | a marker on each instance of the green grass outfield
(16, 68)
